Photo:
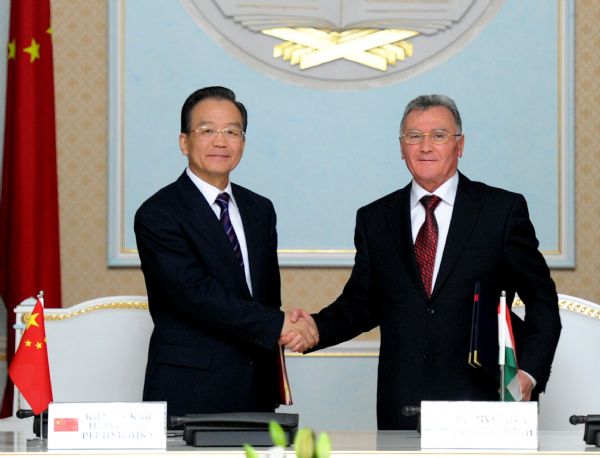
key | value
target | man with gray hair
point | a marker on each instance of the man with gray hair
(422, 253)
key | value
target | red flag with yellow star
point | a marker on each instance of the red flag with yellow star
(29, 369)
(29, 238)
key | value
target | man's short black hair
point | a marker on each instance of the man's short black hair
(211, 92)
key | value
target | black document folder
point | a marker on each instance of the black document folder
(234, 429)
(483, 350)
(217, 436)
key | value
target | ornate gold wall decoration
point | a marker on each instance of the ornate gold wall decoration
(374, 48)
(342, 44)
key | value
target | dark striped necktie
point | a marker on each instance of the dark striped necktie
(223, 202)
(426, 242)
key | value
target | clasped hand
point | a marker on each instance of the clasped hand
(299, 332)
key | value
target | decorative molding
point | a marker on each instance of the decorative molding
(571, 304)
(350, 349)
(56, 315)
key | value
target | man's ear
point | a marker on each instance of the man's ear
(183, 146)
(461, 145)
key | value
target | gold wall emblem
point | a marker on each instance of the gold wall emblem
(342, 44)
(308, 47)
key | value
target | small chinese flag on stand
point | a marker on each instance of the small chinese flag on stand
(29, 369)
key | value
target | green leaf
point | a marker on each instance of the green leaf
(277, 434)
(304, 443)
(250, 452)
(323, 449)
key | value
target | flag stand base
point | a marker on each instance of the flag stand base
(43, 420)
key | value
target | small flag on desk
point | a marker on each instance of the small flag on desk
(66, 425)
(29, 369)
(507, 357)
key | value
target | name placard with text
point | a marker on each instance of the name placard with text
(107, 425)
(479, 425)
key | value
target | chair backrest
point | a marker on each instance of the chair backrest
(97, 349)
(573, 385)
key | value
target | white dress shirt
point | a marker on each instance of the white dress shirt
(210, 193)
(443, 215)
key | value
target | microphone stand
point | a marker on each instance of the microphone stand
(591, 434)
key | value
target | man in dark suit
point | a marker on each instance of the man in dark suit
(208, 250)
(422, 297)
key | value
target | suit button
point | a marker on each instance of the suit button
(430, 311)
(425, 355)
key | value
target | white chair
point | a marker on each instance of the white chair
(97, 349)
(573, 385)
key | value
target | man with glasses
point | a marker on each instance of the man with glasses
(208, 250)
(421, 254)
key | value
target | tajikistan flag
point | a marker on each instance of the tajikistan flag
(507, 356)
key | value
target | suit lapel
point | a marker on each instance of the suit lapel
(209, 228)
(467, 207)
(398, 219)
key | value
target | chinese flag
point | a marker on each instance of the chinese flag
(66, 425)
(29, 368)
(29, 242)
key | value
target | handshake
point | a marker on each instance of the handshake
(299, 332)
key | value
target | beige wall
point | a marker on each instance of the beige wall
(80, 47)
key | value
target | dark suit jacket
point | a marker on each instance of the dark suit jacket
(213, 344)
(425, 342)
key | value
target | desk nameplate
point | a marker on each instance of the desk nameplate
(479, 425)
(107, 425)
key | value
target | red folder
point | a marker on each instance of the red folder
(285, 393)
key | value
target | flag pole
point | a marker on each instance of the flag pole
(29, 369)
(502, 343)
(40, 296)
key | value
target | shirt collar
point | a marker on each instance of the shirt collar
(447, 191)
(209, 191)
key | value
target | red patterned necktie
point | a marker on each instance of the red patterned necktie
(223, 202)
(426, 242)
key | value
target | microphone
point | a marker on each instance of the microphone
(410, 411)
(591, 434)
(174, 421)
(584, 419)
(25, 413)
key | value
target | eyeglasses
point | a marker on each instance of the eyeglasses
(229, 133)
(438, 137)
